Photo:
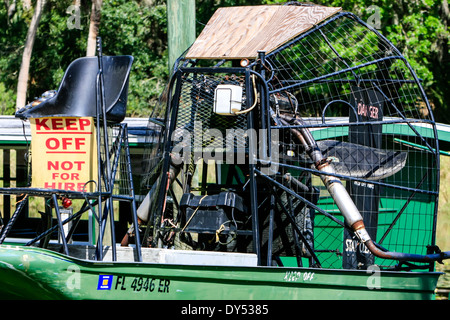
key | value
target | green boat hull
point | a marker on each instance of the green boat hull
(33, 273)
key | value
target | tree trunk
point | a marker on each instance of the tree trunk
(10, 8)
(180, 27)
(22, 83)
(93, 27)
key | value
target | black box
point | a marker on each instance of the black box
(206, 214)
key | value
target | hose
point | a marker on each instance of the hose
(346, 205)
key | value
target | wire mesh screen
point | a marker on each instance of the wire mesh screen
(366, 110)
(196, 118)
(118, 162)
(325, 65)
(153, 145)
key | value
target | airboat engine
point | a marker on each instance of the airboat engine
(343, 102)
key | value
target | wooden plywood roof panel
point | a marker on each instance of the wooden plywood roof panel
(240, 32)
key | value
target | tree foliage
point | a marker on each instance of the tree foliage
(419, 28)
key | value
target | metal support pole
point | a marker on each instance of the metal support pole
(133, 202)
(60, 225)
(253, 147)
(99, 253)
(270, 238)
(13, 219)
(108, 178)
(265, 146)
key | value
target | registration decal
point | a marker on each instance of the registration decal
(105, 282)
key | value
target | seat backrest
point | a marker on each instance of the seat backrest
(77, 93)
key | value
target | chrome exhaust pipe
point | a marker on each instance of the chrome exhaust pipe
(346, 205)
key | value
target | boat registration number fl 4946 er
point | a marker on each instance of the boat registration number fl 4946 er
(136, 284)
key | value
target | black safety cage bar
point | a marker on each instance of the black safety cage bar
(261, 117)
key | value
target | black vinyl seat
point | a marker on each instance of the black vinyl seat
(77, 93)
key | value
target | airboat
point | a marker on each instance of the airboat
(292, 155)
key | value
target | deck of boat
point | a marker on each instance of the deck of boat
(162, 256)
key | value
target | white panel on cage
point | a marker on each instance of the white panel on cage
(227, 99)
